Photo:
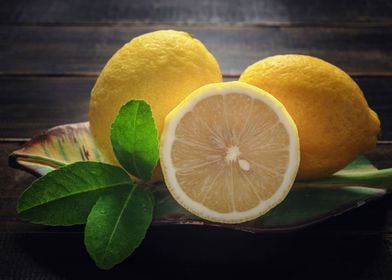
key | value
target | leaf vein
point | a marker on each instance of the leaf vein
(118, 221)
(74, 194)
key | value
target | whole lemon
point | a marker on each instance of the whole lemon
(160, 67)
(334, 121)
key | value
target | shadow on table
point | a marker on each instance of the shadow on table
(328, 250)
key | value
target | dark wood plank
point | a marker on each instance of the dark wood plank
(195, 253)
(268, 12)
(378, 94)
(30, 105)
(12, 181)
(382, 157)
(83, 50)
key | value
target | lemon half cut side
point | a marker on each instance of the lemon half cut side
(229, 152)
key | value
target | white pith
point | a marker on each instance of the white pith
(233, 154)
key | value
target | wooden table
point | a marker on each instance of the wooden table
(50, 55)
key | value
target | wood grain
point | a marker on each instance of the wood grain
(30, 105)
(84, 50)
(196, 253)
(51, 52)
(269, 12)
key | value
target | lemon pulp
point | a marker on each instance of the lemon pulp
(229, 152)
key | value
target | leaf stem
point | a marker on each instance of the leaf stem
(379, 179)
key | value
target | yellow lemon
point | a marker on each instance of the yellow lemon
(334, 121)
(229, 152)
(160, 67)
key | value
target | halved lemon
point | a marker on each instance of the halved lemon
(229, 152)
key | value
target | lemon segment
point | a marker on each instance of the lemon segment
(229, 152)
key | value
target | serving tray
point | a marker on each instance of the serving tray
(307, 203)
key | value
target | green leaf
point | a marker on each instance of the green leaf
(117, 225)
(305, 206)
(65, 196)
(134, 139)
(301, 207)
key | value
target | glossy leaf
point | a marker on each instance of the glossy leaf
(117, 225)
(301, 207)
(65, 196)
(307, 206)
(134, 139)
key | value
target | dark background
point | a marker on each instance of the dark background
(50, 55)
